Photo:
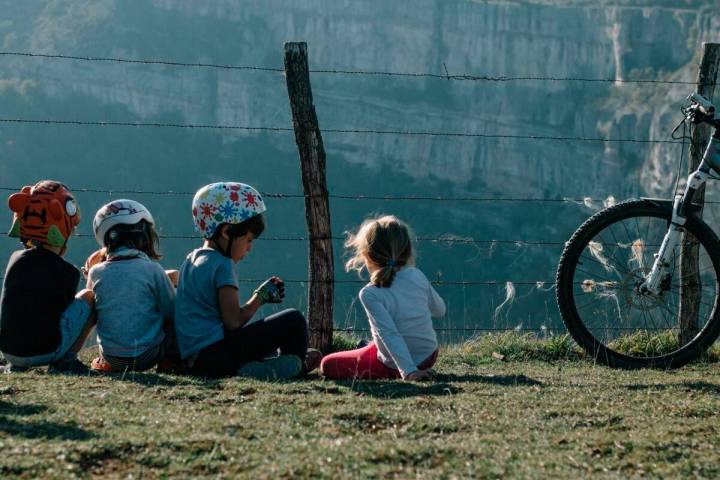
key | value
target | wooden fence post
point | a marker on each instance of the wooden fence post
(689, 251)
(317, 208)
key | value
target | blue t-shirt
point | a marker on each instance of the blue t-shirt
(198, 322)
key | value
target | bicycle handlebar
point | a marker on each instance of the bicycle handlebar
(703, 104)
(701, 110)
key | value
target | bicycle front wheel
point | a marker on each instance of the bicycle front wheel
(598, 279)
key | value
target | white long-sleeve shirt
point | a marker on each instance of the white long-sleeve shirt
(400, 319)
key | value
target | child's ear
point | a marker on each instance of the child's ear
(17, 201)
(225, 232)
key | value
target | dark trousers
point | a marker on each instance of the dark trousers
(286, 331)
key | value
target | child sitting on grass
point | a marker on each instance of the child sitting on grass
(213, 329)
(399, 302)
(43, 321)
(134, 297)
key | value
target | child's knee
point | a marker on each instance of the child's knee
(294, 318)
(88, 296)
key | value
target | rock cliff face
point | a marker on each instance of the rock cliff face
(535, 39)
(495, 39)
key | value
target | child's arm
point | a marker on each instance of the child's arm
(387, 332)
(435, 303)
(164, 294)
(233, 314)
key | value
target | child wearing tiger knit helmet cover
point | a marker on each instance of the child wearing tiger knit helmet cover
(43, 321)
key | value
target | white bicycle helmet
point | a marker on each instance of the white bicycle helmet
(224, 202)
(119, 212)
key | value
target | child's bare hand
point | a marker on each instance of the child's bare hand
(96, 257)
(419, 376)
(174, 277)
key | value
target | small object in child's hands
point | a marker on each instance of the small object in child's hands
(272, 290)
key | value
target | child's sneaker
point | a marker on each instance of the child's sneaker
(69, 365)
(99, 364)
(278, 368)
(312, 360)
(171, 366)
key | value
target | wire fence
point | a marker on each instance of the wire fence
(444, 239)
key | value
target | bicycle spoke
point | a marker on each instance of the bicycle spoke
(595, 276)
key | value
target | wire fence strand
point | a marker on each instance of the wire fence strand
(346, 196)
(416, 133)
(170, 63)
(445, 240)
(462, 77)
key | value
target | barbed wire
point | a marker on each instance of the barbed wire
(169, 63)
(359, 281)
(426, 133)
(452, 329)
(96, 123)
(502, 283)
(464, 77)
(344, 196)
(440, 239)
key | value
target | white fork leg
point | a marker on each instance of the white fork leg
(662, 259)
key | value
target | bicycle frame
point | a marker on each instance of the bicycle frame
(682, 207)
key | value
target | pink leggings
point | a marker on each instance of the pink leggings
(363, 364)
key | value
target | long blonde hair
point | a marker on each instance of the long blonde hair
(384, 241)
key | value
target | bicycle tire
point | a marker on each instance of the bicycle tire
(604, 350)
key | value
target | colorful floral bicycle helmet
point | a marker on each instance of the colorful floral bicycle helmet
(224, 202)
(119, 212)
(45, 214)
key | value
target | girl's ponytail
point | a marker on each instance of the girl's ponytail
(385, 243)
(384, 276)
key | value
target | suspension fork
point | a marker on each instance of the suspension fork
(681, 206)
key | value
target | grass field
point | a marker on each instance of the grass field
(560, 417)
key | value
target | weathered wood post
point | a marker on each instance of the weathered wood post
(689, 251)
(317, 208)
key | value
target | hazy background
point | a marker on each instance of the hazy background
(629, 40)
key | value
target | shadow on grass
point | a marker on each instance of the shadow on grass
(699, 386)
(36, 429)
(150, 379)
(443, 385)
(504, 380)
(397, 389)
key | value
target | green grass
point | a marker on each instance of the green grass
(482, 417)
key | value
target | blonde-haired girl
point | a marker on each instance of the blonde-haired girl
(399, 302)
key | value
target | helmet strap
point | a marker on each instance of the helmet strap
(228, 247)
